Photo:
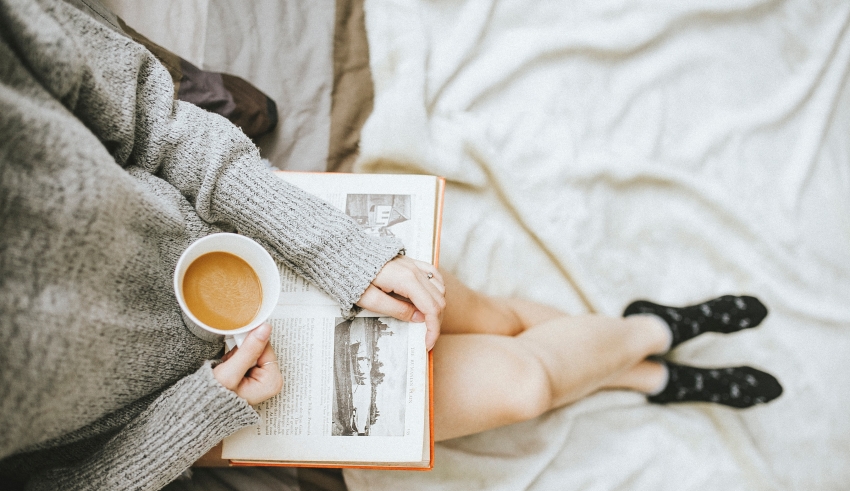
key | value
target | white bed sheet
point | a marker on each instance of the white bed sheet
(602, 151)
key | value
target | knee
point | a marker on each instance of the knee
(532, 394)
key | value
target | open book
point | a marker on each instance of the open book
(356, 393)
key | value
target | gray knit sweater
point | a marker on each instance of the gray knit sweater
(104, 181)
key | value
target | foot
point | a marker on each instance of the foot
(738, 387)
(724, 314)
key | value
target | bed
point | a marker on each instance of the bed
(599, 152)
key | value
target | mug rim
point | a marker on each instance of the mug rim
(230, 236)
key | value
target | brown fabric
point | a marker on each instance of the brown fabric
(205, 89)
(254, 112)
(353, 93)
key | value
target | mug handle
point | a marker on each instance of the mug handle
(236, 340)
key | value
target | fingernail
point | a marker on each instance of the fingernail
(418, 317)
(263, 332)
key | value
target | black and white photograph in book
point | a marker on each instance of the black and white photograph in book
(379, 214)
(370, 377)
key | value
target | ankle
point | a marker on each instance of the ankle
(658, 378)
(652, 331)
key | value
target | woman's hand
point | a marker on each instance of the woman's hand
(251, 370)
(422, 288)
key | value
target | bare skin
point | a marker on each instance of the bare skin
(503, 361)
(498, 361)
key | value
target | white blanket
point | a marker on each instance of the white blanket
(603, 151)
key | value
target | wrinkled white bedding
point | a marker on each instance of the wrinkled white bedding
(602, 151)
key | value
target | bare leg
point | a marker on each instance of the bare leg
(470, 312)
(502, 361)
(645, 377)
(484, 381)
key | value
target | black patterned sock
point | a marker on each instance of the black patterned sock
(738, 387)
(723, 314)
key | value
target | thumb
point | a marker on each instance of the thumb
(231, 372)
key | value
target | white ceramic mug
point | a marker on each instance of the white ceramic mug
(260, 261)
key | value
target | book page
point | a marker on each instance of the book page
(353, 391)
(400, 206)
(297, 290)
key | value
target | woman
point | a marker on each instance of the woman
(104, 181)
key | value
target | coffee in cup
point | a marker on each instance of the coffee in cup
(222, 290)
(226, 285)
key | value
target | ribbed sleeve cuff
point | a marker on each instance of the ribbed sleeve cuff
(180, 426)
(318, 241)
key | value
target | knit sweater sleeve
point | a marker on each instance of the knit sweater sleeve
(228, 185)
(218, 170)
(182, 424)
(125, 97)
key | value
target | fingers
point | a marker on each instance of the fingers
(430, 302)
(432, 323)
(376, 300)
(230, 372)
(432, 327)
(433, 275)
(262, 381)
(267, 356)
(250, 370)
(417, 281)
(410, 278)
